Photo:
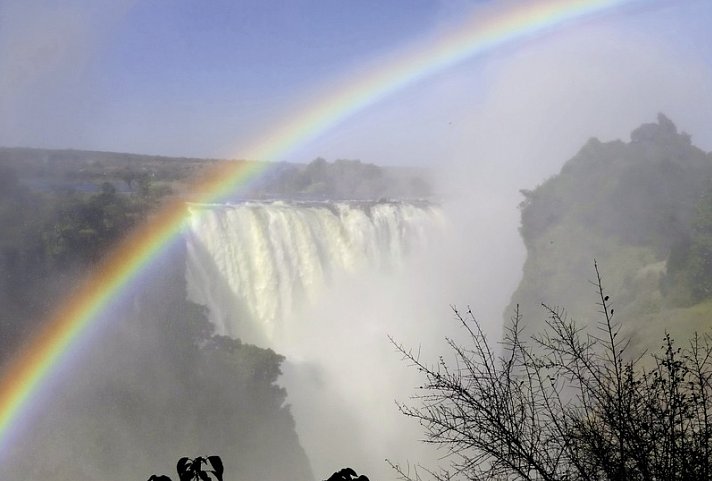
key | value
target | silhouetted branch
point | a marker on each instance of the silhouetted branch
(569, 405)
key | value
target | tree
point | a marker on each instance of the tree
(569, 404)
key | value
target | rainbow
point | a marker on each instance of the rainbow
(23, 378)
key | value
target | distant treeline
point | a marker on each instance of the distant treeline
(83, 170)
(43, 169)
(345, 180)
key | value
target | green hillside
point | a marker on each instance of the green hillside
(643, 210)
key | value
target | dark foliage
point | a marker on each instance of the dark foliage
(569, 404)
(210, 468)
(160, 380)
(202, 468)
(347, 474)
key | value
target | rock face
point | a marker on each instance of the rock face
(635, 207)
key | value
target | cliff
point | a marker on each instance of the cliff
(639, 208)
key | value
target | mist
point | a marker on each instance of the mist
(478, 133)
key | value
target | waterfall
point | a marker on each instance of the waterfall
(253, 264)
(325, 284)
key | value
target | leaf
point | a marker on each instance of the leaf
(185, 469)
(217, 464)
(348, 473)
(345, 474)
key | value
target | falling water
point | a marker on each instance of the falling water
(312, 281)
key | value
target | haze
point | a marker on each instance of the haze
(205, 79)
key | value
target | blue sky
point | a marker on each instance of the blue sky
(243, 56)
(202, 78)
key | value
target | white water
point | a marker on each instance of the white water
(324, 284)
(254, 264)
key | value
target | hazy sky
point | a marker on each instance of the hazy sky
(204, 78)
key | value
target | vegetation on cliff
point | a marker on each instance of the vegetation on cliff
(643, 209)
(157, 381)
